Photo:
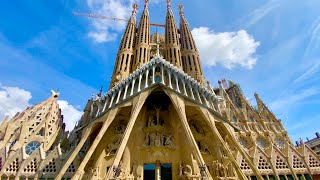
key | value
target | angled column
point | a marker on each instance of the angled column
(110, 117)
(179, 106)
(210, 121)
(74, 154)
(138, 102)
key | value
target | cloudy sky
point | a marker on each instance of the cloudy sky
(271, 47)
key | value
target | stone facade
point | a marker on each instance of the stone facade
(313, 143)
(159, 120)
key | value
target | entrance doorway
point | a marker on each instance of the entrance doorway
(162, 171)
(149, 171)
(166, 171)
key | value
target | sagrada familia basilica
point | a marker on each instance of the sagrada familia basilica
(160, 119)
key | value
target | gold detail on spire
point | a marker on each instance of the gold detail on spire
(54, 94)
(168, 4)
(181, 9)
(135, 7)
(146, 2)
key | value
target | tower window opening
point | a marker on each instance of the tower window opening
(131, 31)
(190, 63)
(144, 55)
(140, 54)
(183, 63)
(126, 65)
(132, 59)
(121, 62)
(125, 43)
(135, 55)
(194, 62)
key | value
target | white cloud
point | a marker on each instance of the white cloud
(13, 100)
(101, 37)
(70, 113)
(106, 30)
(227, 48)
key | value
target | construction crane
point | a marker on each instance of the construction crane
(109, 18)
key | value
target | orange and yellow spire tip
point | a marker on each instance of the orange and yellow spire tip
(168, 3)
(180, 9)
(135, 7)
(146, 2)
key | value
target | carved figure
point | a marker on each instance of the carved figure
(95, 172)
(203, 148)
(151, 121)
(158, 140)
(117, 170)
(196, 128)
(181, 169)
(120, 129)
(188, 171)
(147, 140)
(112, 147)
(221, 170)
(152, 138)
(157, 114)
(230, 170)
(168, 143)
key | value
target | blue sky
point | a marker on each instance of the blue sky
(271, 47)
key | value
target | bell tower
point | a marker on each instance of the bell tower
(172, 45)
(142, 46)
(125, 52)
(189, 53)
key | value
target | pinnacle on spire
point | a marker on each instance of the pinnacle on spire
(181, 9)
(146, 3)
(168, 4)
(55, 94)
(134, 11)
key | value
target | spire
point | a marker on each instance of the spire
(172, 48)
(190, 56)
(125, 52)
(169, 5)
(142, 46)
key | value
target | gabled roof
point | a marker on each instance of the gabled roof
(158, 71)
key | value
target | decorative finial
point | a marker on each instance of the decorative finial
(181, 9)
(146, 2)
(54, 94)
(135, 7)
(168, 3)
(100, 92)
